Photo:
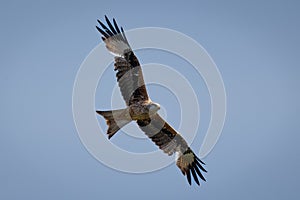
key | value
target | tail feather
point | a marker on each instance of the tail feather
(115, 119)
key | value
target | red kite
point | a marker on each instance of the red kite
(139, 106)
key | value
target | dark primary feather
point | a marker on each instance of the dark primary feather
(105, 28)
(188, 175)
(102, 32)
(116, 26)
(195, 176)
(110, 26)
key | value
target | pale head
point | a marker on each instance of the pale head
(153, 108)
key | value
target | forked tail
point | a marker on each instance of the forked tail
(115, 119)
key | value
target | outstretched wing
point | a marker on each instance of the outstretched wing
(170, 141)
(129, 72)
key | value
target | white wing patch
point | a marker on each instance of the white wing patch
(185, 160)
(117, 46)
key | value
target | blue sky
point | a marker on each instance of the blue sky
(255, 45)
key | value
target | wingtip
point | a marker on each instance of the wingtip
(200, 166)
(200, 160)
(106, 19)
(106, 35)
(195, 175)
(188, 176)
(116, 25)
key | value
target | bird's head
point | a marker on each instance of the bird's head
(153, 108)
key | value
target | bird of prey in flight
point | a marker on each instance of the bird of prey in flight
(140, 108)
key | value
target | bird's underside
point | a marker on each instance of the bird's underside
(139, 106)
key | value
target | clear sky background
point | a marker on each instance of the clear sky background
(255, 45)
